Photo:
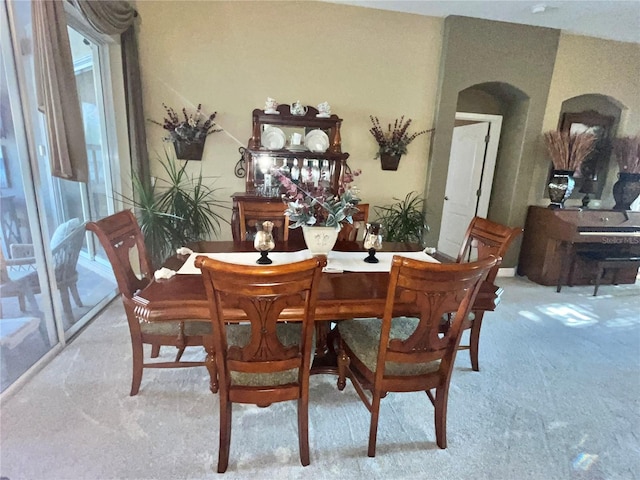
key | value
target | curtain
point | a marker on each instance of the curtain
(57, 93)
(116, 17)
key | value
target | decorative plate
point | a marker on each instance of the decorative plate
(273, 138)
(317, 141)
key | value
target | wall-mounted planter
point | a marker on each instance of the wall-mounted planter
(389, 162)
(189, 150)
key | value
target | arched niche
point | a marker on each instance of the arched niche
(599, 114)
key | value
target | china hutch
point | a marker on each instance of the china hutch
(282, 141)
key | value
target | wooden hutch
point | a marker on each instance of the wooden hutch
(259, 159)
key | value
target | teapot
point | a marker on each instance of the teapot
(298, 109)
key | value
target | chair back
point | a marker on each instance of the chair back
(437, 290)
(484, 238)
(262, 292)
(120, 236)
(252, 214)
(351, 231)
(66, 253)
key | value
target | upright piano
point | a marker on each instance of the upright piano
(552, 237)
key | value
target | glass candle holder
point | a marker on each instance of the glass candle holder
(372, 241)
(264, 242)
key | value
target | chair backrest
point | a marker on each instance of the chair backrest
(436, 290)
(120, 236)
(350, 231)
(486, 238)
(262, 292)
(66, 253)
(252, 214)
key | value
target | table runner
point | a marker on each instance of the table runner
(337, 262)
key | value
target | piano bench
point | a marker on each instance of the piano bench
(605, 262)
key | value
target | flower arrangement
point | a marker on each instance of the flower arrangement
(192, 128)
(318, 205)
(393, 141)
(627, 151)
(568, 150)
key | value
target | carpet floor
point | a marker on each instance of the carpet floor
(557, 397)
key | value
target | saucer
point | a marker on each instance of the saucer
(297, 148)
(323, 115)
(272, 112)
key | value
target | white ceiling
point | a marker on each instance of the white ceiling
(610, 19)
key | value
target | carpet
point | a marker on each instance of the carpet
(557, 397)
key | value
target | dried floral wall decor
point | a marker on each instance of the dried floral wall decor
(393, 142)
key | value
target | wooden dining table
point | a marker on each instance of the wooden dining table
(342, 296)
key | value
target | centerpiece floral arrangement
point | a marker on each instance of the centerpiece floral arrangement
(317, 205)
(627, 151)
(192, 128)
(393, 141)
(568, 150)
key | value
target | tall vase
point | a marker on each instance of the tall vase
(320, 240)
(560, 187)
(189, 150)
(626, 190)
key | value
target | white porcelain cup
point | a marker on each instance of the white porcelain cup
(324, 108)
(296, 138)
(270, 105)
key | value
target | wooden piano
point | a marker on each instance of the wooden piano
(552, 237)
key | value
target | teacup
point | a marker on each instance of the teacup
(324, 109)
(298, 109)
(270, 105)
(296, 138)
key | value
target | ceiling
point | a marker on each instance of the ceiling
(610, 19)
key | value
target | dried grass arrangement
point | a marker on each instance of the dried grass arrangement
(568, 151)
(627, 151)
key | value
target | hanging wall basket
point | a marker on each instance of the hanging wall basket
(389, 162)
(189, 150)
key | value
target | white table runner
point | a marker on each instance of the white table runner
(337, 262)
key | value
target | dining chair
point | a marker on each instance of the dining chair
(252, 214)
(123, 242)
(482, 239)
(262, 361)
(408, 354)
(351, 231)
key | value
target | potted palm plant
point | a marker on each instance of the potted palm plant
(174, 210)
(403, 220)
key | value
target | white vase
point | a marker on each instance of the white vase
(320, 240)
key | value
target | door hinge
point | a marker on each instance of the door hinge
(479, 192)
(486, 138)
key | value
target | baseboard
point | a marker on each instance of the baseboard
(507, 272)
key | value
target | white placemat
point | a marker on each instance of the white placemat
(336, 261)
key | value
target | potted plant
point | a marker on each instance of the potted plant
(318, 210)
(627, 188)
(175, 210)
(393, 142)
(567, 151)
(403, 220)
(188, 134)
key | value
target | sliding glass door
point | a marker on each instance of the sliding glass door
(55, 277)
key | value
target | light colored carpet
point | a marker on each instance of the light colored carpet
(557, 397)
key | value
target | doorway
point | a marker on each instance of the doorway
(474, 149)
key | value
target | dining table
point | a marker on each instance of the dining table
(343, 293)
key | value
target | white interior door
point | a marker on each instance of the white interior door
(472, 160)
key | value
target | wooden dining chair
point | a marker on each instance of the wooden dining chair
(409, 354)
(263, 361)
(122, 240)
(252, 214)
(351, 231)
(482, 239)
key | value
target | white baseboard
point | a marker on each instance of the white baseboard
(507, 272)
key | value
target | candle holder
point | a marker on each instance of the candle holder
(372, 241)
(264, 242)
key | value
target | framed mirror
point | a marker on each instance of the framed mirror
(591, 177)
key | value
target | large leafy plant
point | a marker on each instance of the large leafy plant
(403, 220)
(174, 210)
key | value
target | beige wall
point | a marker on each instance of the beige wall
(586, 65)
(230, 56)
